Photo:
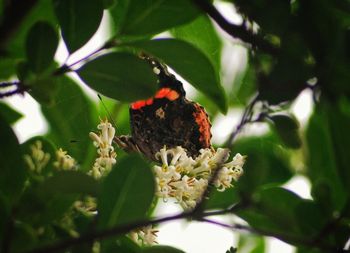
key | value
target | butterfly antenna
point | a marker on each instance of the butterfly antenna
(107, 111)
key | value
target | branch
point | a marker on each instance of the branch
(20, 88)
(246, 118)
(14, 14)
(234, 30)
(9, 84)
(118, 230)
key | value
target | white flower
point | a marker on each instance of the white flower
(185, 179)
(145, 236)
(230, 171)
(64, 161)
(103, 141)
(38, 159)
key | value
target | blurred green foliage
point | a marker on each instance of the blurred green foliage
(41, 206)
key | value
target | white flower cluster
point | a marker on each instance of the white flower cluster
(184, 178)
(38, 159)
(64, 161)
(103, 141)
(145, 236)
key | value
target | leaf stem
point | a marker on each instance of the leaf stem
(246, 118)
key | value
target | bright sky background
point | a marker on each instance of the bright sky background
(192, 237)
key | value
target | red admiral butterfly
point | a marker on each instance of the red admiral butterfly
(167, 119)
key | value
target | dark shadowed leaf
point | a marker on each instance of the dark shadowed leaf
(133, 17)
(202, 34)
(10, 114)
(267, 163)
(44, 90)
(127, 192)
(272, 16)
(120, 75)
(311, 219)
(120, 244)
(41, 45)
(323, 142)
(189, 62)
(78, 20)
(287, 128)
(161, 249)
(70, 182)
(12, 173)
(8, 67)
(108, 3)
(42, 11)
(71, 118)
(310, 250)
(45, 202)
(5, 212)
(276, 209)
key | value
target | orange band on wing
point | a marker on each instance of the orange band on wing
(162, 93)
(202, 120)
(172, 95)
(138, 104)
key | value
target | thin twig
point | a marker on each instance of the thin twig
(114, 231)
(235, 30)
(67, 68)
(9, 84)
(246, 118)
(13, 92)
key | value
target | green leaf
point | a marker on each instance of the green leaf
(190, 63)
(251, 243)
(274, 209)
(202, 34)
(311, 218)
(12, 173)
(41, 46)
(287, 126)
(10, 114)
(44, 90)
(108, 3)
(287, 77)
(31, 148)
(161, 249)
(272, 16)
(326, 149)
(127, 193)
(120, 244)
(70, 182)
(133, 17)
(42, 11)
(78, 20)
(244, 86)
(120, 75)
(46, 202)
(5, 212)
(71, 118)
(24, 237)
(222, 200)
(309, 250)
(267, 163)
(8, 68)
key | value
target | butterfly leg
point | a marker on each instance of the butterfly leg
(126, 143)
